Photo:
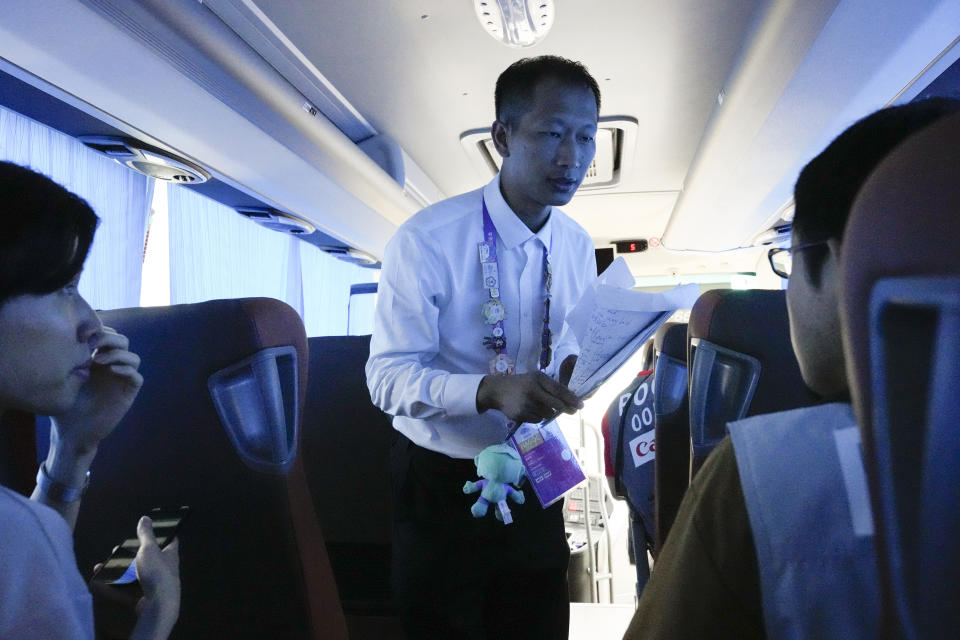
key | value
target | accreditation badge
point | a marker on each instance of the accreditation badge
(501, 365)
(493, 311)
(491, 275)
(551, 465)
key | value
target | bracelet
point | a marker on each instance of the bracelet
(58, 491)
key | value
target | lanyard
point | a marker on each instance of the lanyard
(493, 309)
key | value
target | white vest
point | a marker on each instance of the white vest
(806, 495)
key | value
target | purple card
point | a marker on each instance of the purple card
(552, 468)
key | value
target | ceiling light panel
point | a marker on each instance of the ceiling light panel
(515, 23)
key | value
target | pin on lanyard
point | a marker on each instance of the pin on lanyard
(493, 309)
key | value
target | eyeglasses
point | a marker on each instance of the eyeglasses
(781, 260)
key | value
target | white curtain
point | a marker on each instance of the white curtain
(119, 196)
(326, 291)
(217, 253)
(214, 252)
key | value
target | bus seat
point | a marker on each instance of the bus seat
(252, 558)
(900, 314)
(672, 426)
(741, 363)
(346, 454)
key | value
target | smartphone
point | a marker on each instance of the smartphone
(119, 567)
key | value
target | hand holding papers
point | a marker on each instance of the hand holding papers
(611, 322)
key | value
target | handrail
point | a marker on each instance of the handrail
(604, 492)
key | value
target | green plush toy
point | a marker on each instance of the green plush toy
(498, 465)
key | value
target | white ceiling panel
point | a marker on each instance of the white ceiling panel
(707, 174)
(425, 80)
(773, 122)
(620, 216)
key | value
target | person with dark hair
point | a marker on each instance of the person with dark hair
(515, 86)
(470, 335)
(59, 360)
(774, 537)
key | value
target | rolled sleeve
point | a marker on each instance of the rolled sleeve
(460, 394)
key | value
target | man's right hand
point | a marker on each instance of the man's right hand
(528, 397)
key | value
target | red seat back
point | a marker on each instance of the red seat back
(900, 313)
(740, 329)
(253, 560)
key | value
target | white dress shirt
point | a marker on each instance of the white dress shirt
(427, 355)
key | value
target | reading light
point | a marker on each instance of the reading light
(516, 23)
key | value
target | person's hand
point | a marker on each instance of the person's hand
(158, 571)
(566, 369)
(528, 397)
(101, 402)
(105, 397)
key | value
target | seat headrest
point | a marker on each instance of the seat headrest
(904, 222)
(671, 339)
(754, 322)
(740, 362)
(670, 377)
(216, 333)
(250, 353)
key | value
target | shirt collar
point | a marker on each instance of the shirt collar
(509, 226)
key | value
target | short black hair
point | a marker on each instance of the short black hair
(827, 186)
(516, 84)
(46, 233)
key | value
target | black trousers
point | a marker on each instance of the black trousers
(456, 576)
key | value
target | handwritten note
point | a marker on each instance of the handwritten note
(610, 331)
(612, 321)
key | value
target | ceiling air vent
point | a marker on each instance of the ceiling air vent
(148, 161)
(351, 255)
(777, 235)
(616, 140)
(276, 220)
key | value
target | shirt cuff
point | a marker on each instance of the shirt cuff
(460, 394)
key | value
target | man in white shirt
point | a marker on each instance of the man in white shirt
(461, 348)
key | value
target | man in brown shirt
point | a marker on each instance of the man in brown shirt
(706, 582)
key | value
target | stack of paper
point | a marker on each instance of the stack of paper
(612, 321)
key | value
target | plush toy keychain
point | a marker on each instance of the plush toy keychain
(498, 465)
